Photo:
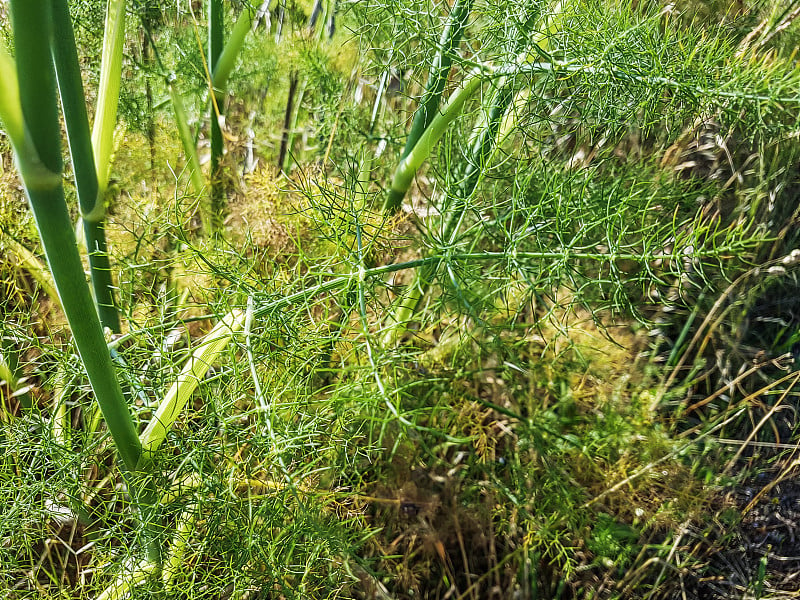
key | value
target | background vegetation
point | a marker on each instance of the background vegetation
(407, 299)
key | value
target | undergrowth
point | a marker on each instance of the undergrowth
(601, 345)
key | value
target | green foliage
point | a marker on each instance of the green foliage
(613, 159)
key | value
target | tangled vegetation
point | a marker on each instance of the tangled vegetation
(394, 299)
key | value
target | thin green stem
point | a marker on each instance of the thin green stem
(100, 268)
(516, 258)
(215, 41)
(189, 146)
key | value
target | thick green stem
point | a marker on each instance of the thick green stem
(191, 375)
(73, 102)
(41, 166)
(440, 71)
(58, 239)
(404, 174)
(407, 305)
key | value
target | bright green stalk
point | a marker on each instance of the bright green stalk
(437, 79)
(9, 367)
(183, 532)
(105, 119)
(492, 129)
(407, 305)
(404, 174)
(188, 379)
(216, 26)
(31, 21)
(128, 579)
(439, 72)
(221, 71)
(73, 102)
(10, 107)
(62, 387)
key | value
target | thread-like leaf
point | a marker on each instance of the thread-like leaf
(189, 147)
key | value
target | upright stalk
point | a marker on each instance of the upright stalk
(288, 123)
(437, 79)
(407, 169)
(215, 40)
(460, 192)
(221, 60)
(41, 168)
(486, 139)
(76, 119)
(147, 59)
(222, 69)
(105, 118)
(297, 86)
